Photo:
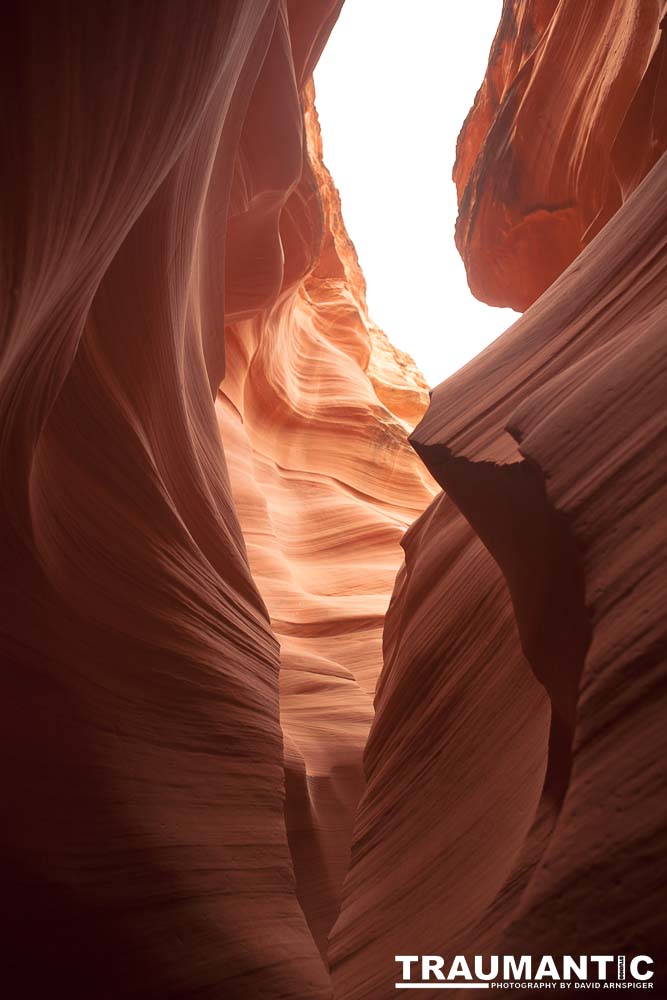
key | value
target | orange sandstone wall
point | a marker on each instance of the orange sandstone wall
(191, 619)
(571, 115)
(314, 412)
(514, 802)
(205, 481)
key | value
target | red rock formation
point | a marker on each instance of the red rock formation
(205, 480)
(570, 117)
(325, 485)
(514, 802)
(529, 817)
(156, 187)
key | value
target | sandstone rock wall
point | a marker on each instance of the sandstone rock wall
(571, 115)
(314, 412)
(206, 477)
(158, 185)
(514, 801)
(514, 765)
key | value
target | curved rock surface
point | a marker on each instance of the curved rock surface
(157, 188)
(206, 477)
(571, 115)
(515, 802)
(313, 412)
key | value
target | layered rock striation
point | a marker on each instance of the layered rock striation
(314, 412)
(514, 802)
(205, 480)
(514, 763)
(571, 115)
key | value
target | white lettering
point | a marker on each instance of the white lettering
(570, 965)
(547, 967)
(602, 963)
(432, 964)
(634, 967)
(517, 970)
(459, 967)
(406, 961)
(479, 967)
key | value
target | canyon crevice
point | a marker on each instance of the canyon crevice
(303, 669)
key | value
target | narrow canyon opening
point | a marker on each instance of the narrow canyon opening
(330, 625)
(392, 94)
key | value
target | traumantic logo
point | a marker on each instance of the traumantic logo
(508, 972)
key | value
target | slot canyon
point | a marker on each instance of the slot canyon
(306, 665)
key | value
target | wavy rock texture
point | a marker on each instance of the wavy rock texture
(325, 485)
(570, 117)
(206, 476)
(156, 188)
(515, 802)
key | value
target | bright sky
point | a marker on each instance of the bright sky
(393, 87)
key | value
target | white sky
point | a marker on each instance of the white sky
(393, 86)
